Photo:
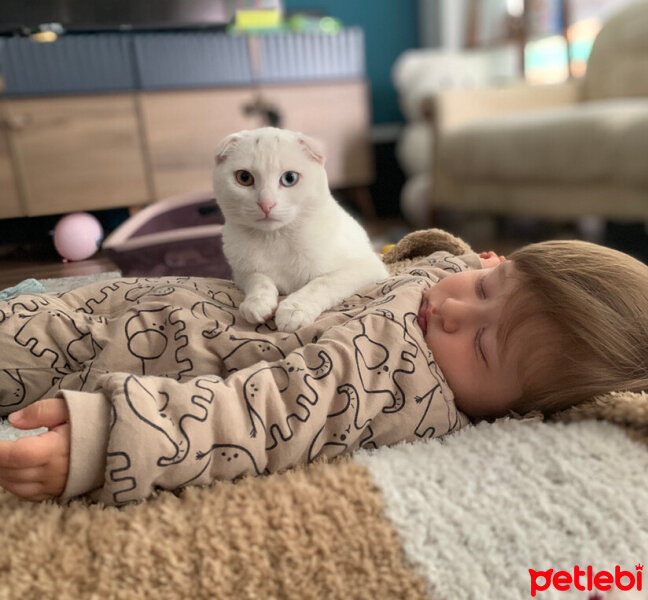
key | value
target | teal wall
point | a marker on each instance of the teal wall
(390, 28)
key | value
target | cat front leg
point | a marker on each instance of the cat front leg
(261, 296)
(293, 313)
(302, 307)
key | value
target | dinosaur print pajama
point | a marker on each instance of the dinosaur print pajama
(168, 386)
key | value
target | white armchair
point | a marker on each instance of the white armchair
(561, 151)
(416, 75)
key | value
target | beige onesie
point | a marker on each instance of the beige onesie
(167, 385)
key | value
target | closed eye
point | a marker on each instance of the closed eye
(479, 350)
(480, 291)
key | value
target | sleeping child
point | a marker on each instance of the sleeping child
(157, 384)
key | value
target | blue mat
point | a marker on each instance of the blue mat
(24, 287)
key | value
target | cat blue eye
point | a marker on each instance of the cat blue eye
(289, 178)
(244, 178)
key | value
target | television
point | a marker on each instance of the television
(27, 16)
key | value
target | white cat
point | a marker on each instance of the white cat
(284, 233)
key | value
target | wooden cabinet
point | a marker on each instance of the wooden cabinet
(182, 129)
(338, 115)
(91, 152)
(77, 153)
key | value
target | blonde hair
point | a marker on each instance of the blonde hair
(589, 304)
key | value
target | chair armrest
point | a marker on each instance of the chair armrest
(453, 108)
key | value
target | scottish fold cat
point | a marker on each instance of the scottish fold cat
(284, 233)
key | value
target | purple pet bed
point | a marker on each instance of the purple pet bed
(177, 236)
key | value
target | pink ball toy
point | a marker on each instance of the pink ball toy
(77, 236)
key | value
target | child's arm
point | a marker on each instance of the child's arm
(139, 434)
(35, 468)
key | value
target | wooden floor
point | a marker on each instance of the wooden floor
(18, 264)
(42, 262)
(13, 270)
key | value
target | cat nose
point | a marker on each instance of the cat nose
(266, 207)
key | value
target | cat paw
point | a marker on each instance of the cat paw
(290, 316)
(258, 309)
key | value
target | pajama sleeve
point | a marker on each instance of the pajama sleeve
(166, 434)
(143, 433)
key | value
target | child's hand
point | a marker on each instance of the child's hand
(490, 259)
(36, 468)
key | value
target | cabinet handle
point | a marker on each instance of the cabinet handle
(270, 114)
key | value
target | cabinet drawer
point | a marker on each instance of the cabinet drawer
(78, 153)
(73, 64)
(338, 115)
(182, 130)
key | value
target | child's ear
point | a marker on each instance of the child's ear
(225, 146)
(313, 148)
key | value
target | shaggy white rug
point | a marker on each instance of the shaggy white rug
(480, 508)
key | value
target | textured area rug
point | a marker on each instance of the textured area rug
(462, 518)
(313, 533)
(478, 509)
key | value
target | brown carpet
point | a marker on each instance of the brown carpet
(317, 533)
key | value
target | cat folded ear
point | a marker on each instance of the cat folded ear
(313, 148)
(225, 146)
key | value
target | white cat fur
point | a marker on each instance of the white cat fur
(307, 247)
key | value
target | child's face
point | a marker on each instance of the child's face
(460, 317)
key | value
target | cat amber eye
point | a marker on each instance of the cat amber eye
(244, 178)
(289, 178)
